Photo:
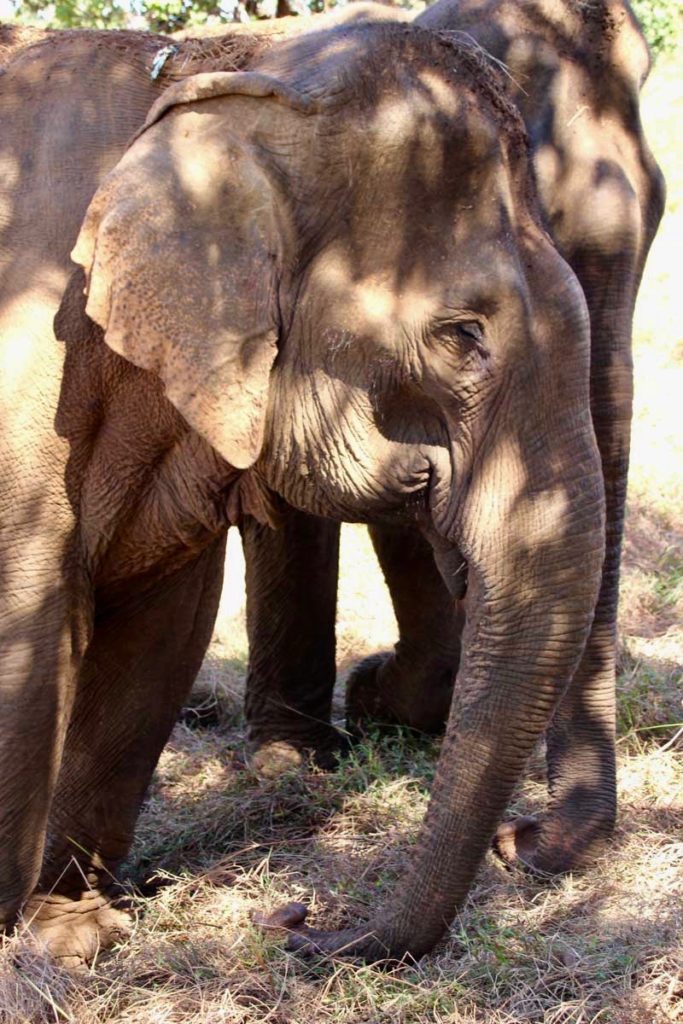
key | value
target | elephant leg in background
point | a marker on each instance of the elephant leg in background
(291, 577)
(137, 671)
(412, 685)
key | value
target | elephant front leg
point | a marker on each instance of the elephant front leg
(138, 669)
(40, 640)
(291, 576)
(413, 685)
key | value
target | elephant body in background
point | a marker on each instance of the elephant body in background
(574, 71)
(319, 281)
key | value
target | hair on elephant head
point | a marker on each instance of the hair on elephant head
(333, 264)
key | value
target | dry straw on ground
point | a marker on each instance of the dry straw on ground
(600, 948)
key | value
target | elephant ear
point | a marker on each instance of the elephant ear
(181, 249)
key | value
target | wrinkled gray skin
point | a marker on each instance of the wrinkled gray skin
(576, 71)
(322, 279)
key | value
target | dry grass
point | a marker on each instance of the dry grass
(601, 947)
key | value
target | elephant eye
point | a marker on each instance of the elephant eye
(471, 330)
(467, 332)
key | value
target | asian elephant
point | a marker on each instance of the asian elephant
(574, 72)
(322, 280)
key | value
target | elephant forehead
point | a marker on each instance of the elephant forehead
(427, 120)
(373, 299)
(398, 115)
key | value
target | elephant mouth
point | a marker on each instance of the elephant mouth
(420, 492)
(439, 498)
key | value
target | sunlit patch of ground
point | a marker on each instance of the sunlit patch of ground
(604, 947)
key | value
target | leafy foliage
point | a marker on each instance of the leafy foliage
(172, 15)
(156, 15)
(661, 22)
(73, 13)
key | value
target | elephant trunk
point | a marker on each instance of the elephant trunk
(535, 562)
(535, 550)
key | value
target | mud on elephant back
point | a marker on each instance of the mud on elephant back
(574, 74)
(322, 279)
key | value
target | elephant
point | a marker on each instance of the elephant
(574, 72)
(266, 309)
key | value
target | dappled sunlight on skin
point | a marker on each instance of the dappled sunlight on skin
(36, 637)
(358, 304)
(197, 167)
(10, 171)
(595, 210)
(587, 156)
(54, 628)
(24, 323)
(623, 224)
(308, 482)
(399, 118)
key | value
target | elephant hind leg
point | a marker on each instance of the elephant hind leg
(137, 671)
(412, 685)
(291, 576)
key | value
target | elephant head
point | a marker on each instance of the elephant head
(333, 263)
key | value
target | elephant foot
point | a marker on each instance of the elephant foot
(384, 690)
(275, 758)
(201, 716)
(550, 846)
(516, 842)
(355, 943)
(365, 704)
(73, 930)
(271, 757)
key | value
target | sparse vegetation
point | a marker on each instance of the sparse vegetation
(605, 947)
